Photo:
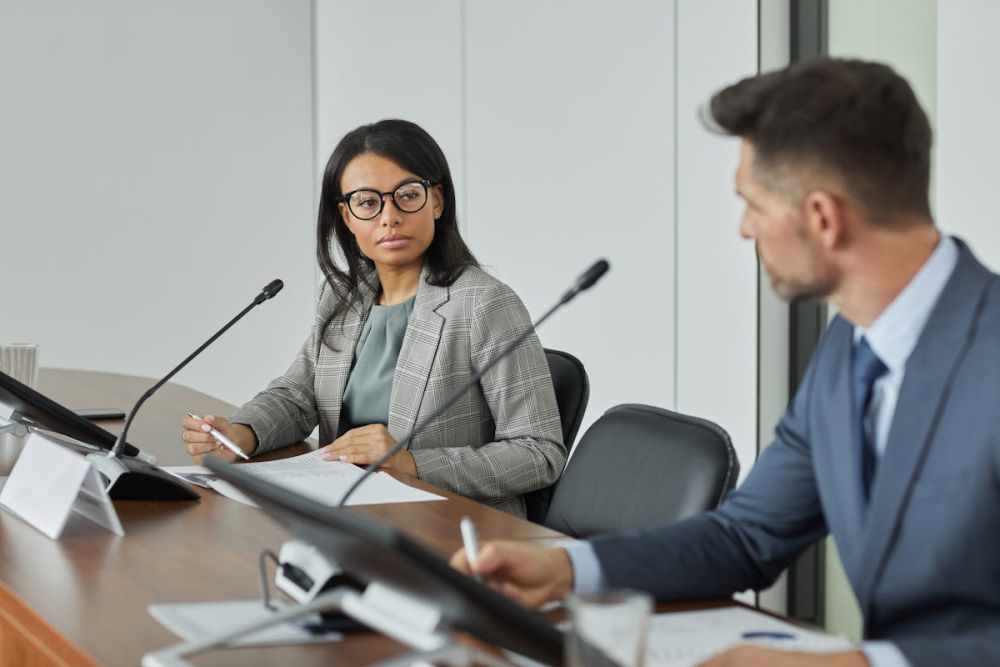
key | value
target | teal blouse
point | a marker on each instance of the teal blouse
(366, 398)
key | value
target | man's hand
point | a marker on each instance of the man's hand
(757, 656)
(528, 574)
(366, 445)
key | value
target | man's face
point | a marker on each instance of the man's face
(788, 248)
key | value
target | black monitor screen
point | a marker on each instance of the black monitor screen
(373, 551)
(43, 411)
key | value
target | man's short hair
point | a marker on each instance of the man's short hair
(857, 121)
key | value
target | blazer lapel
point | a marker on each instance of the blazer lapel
(930, 372)
(341, 341)
(416, 357)
(841, 454)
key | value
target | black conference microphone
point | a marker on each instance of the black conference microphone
(585, 281)
(130, 478)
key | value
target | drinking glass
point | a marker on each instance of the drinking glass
(608, 628)
(20, 361)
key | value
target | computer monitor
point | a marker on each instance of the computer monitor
(41, 410)
(370, 550)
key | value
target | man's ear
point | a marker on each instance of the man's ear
(826, 218)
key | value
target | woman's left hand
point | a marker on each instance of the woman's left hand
(365, 445)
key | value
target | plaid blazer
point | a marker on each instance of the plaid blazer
(500, 440)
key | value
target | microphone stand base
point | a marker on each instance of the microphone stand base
(132, 479)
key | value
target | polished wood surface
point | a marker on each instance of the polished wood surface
(82, 600)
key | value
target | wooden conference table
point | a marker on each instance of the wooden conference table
(82, 600)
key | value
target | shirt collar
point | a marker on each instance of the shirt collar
(895, 332)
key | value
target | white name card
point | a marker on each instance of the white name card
(49, 483)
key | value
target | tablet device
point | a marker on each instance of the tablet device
(370, 550)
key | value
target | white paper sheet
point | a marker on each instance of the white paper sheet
(687, 638)
(197, 475)
(196, 620)
(323, 481)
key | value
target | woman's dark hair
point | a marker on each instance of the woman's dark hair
(858, 119)
(409, 146)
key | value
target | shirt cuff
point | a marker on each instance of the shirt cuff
(587, 575)
(884, 654)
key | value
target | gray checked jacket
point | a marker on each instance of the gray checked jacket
(500, 440)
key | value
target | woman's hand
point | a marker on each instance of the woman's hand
(199, 441)
(365, 445)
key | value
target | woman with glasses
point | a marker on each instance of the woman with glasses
(403, 321)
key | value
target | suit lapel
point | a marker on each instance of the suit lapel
(342, 340)
(416, 357)
(842, 452)
(930, 371)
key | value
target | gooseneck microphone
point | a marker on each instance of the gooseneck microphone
(269, 291)
(584, 282)
(124, 473)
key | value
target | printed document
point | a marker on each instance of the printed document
(308, 474)
(688, 638)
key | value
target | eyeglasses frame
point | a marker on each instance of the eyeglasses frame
(426, 182)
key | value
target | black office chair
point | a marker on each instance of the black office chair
(639, 465)
(569, 378)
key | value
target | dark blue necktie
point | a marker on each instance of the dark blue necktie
(867, 368)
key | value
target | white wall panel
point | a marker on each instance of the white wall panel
(155, 172)
(716, 269)
(968, 142)
(379, 59)
(570, 144)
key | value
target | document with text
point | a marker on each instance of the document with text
(323, 481)
(687, 638)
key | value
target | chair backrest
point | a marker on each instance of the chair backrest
(640, 465)
(569, 378)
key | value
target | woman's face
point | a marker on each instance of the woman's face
(394, 239)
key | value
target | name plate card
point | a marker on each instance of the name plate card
(49, 483)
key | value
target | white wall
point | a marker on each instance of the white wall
(968, 141)
(155, 172)
(160, 161)
(564, 130)
(579, 140)
(902, 34)
(716, 316)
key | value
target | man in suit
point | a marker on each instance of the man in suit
(892, 442)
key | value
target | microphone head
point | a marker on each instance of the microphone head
(593, 274)
(269, 291)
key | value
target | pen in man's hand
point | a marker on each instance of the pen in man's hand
(470, 540)
(221, 439)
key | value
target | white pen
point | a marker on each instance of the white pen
(470, 540)
(221, 439)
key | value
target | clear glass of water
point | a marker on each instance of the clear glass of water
(608, 628)
(20, 361)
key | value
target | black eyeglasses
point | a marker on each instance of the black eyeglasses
(367, 204)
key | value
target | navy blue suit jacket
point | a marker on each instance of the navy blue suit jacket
(924, 557)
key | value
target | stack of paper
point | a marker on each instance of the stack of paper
(688, 638)
(308, 474)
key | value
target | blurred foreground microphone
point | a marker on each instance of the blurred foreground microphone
(585, 281)
(133, 479)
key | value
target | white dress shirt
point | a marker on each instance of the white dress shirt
(892, 336)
